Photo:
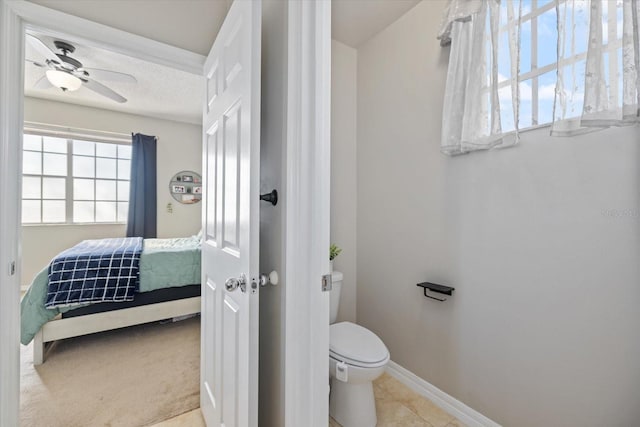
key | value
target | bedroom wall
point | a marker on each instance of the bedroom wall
(179, 148)
(541, 242)
(343, 171)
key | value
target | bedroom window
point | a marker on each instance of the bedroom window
(71, 181)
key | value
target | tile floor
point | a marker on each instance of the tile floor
(396, 404)
(399, 406)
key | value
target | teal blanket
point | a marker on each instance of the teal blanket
(164, 263)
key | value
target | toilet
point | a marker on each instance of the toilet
(356, 357)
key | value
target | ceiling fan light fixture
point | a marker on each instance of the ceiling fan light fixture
(63, 80)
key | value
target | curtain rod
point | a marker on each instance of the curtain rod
(102, 136)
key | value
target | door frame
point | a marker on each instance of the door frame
(307, 213)
(307, 181)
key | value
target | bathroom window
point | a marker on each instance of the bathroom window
(538, 68)
(520, 64)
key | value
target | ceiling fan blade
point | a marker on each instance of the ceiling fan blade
(42, 48)
(104, 91)
(43, 83)
(36, 63)
(111, 76)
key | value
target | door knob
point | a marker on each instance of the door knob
(272, 278)
(270, 197)
(232, 283)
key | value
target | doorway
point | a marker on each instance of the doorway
(306, 209)
(91, 135)
(16, 18)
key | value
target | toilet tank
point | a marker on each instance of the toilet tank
(334, 295)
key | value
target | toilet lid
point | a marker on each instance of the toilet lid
(356, 345)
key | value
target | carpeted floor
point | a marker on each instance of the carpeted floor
(131, 377)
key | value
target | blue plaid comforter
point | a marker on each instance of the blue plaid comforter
(105, 270)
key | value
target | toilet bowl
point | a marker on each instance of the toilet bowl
(356, 358)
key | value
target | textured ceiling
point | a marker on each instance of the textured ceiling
(194, 24)
(161, 92)
(356, 21)
(189, 24)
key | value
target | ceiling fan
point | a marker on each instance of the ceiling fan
(68, 74)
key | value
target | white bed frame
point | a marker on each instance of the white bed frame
(60, 328)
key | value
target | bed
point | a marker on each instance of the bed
(169, 287)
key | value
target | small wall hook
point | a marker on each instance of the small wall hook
(270, 197)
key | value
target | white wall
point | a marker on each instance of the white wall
(179, 148)
(343, 171)
(541, 242)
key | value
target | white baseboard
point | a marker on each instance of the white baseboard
(448, 403)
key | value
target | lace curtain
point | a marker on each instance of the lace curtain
(597, 70)
(601, 89)
(481, 105)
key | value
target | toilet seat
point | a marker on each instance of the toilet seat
(357, 346)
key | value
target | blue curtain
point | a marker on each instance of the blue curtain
(142, 220)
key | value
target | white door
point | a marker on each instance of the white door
(230, 251)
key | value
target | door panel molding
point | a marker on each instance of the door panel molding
(231, 167)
